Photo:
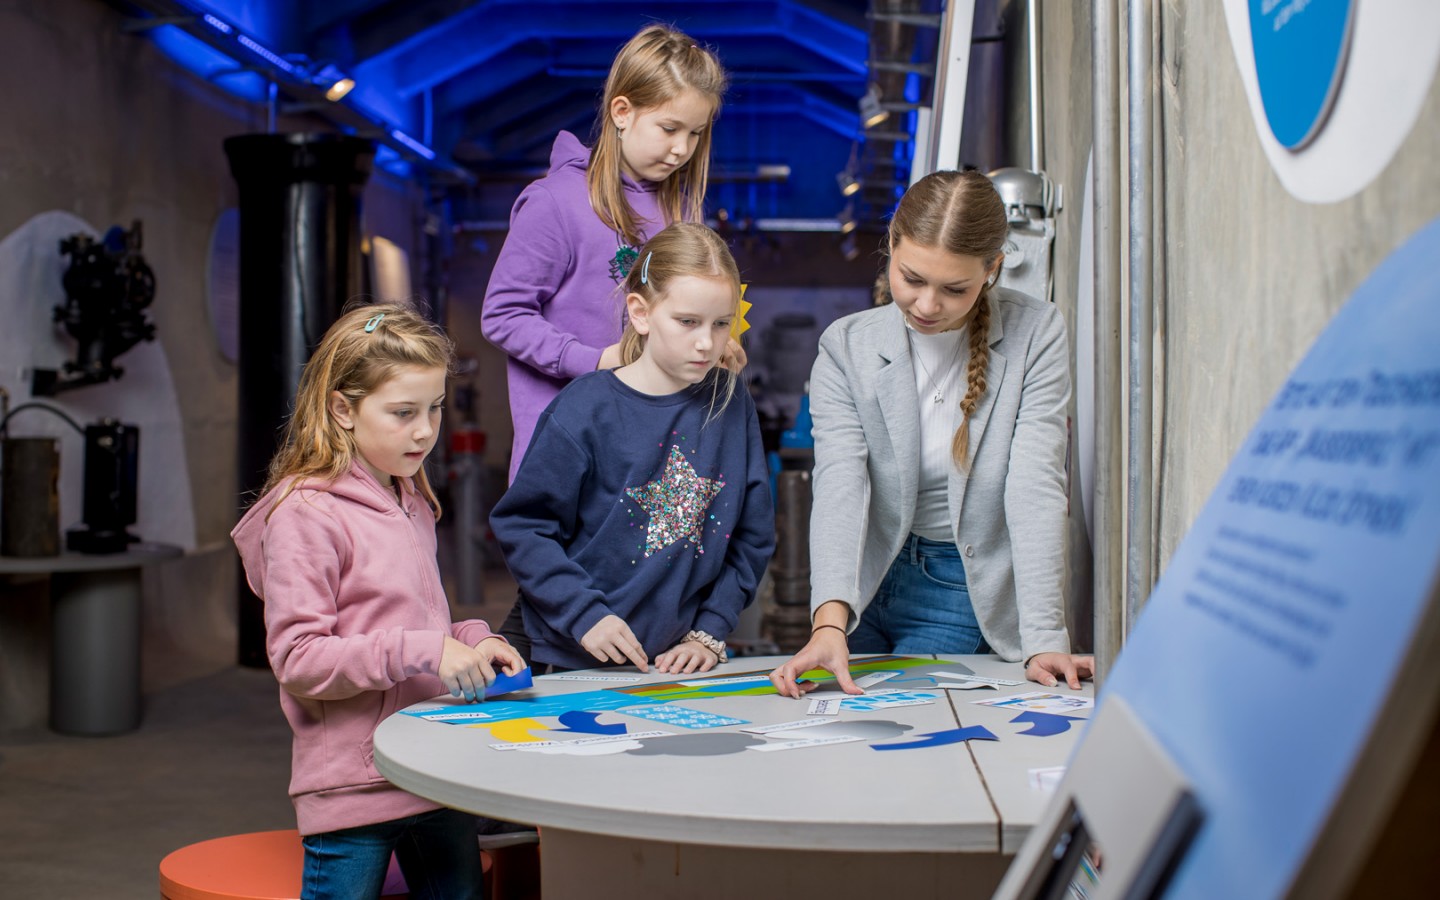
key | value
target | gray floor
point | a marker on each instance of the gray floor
(90, 818)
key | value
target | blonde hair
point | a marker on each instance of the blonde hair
(960, 213)
(680, 250)
(652, 69)
(355, 358)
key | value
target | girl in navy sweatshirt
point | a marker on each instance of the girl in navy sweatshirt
(640, 520)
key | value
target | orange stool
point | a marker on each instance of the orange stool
(262, 865)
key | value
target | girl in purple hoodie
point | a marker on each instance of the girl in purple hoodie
(341, 547)
(554, 302)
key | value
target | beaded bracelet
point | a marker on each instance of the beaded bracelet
(709, 642)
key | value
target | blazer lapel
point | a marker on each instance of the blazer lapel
(895, 391)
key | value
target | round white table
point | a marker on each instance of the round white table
(701, 812)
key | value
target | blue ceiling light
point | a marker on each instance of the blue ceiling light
(209, 63)
(413, 144)
(478, 90)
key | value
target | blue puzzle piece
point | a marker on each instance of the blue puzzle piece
(505, 684)
(587, 722)
(941, 738)
(1045, 724)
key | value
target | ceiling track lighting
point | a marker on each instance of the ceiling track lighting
(305, 80)
(872, 113)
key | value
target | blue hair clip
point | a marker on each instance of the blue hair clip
(645, 268)
(374, 320)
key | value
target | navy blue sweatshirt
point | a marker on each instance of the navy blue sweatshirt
(635, 505)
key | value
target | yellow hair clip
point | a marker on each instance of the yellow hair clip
(739, 326)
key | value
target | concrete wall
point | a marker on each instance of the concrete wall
(99, 123)
(1252, 275)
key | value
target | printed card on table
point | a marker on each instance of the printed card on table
(1039, 701)
(685, 717)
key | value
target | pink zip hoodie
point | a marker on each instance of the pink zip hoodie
(355, 620)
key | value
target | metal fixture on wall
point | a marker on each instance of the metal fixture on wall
(29, 488)
(1031, 201)
(108, 286)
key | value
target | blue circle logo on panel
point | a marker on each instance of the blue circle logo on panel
(1300, 48)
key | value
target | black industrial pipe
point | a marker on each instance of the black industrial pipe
(299, 263)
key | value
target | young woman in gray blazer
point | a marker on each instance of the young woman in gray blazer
(940, 486)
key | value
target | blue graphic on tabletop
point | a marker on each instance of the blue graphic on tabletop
(1046, 724)
(505, 684)
(535, 707)
(941, 738)
(587, 722)
(1300, 51)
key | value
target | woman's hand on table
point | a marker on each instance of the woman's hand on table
(686, 657)
(1049, 668)
(610, 640)
(826, 650)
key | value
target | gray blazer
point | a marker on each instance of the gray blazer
(1008, 511)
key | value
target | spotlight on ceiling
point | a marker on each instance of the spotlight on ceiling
(848, 222)
(871, 112)
(339, 89)
(849, 184)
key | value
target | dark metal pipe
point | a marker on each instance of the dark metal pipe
(299, 263)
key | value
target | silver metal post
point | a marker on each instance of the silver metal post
(1037, 108)
(1139, 564)
(1109, 515)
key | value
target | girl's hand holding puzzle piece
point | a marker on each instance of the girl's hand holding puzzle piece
(466, 670)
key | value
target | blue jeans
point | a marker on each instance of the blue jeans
(438, 852)
(922, 605)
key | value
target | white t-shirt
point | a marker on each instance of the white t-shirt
(939, 361)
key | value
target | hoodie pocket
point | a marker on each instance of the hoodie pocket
(389, 702)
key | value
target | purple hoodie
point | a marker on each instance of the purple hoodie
(552, 304)
(355, 620)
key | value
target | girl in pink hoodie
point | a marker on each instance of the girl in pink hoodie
(341, 547)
